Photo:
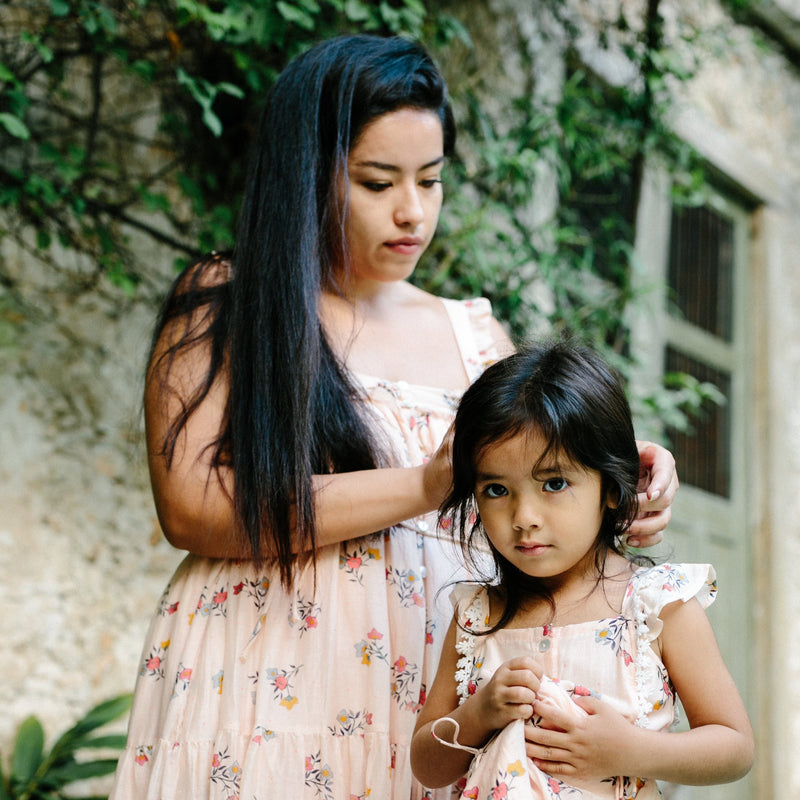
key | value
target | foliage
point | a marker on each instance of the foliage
(34, 774)
(131, 117)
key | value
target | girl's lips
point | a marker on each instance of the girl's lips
(533, 549)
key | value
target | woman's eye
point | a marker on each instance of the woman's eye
(374, 186)
(495, 490)
(555, 485)
(429, 183)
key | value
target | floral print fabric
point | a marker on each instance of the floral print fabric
(247, 692)
(611, 659)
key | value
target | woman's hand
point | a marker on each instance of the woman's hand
(437, 478)
(658, 484)
(592, 747)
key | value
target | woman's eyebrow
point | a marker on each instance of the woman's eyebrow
(394, 167)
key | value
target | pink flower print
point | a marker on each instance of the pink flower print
(369, 718)
(500, 791)
(172, 609)
(220, 597)
(582, 691)
(354, 562)
(215, 760)
(238, 588)
(400, 664)
(185, 675)
(470, 794)
(311, 622)
(419, 600)
(281, 682)
(153, 663)
(309, 764)
(429, 638)
(446, 524)
(472, 687)
(141, 758)
(554, 785)
(373, 634)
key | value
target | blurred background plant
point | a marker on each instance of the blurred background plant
(36, 774)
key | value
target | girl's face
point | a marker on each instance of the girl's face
(394, 177)
(543, 519)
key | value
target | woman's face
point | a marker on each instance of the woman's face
(394, 180)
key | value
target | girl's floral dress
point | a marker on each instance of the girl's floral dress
(248, 692)
(611, 659)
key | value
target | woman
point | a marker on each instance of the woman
(295, 447)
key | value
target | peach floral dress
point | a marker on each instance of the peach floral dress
(610, 658)
(247, 692)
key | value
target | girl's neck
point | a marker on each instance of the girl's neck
(583, 598)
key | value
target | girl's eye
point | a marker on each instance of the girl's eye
(429, 183)
(555, 485)
(495, 490)
(374, 186)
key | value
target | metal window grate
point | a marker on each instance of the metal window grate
(701, 269)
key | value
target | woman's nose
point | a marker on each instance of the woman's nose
(409, 210)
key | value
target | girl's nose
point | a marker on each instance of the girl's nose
(409, 210)
(526, 515)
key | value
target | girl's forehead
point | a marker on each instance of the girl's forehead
(531, 447)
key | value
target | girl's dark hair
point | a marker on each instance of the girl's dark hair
(572, 398)
(292, 410)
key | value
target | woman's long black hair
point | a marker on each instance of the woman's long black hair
(569, 395)
(292, 410)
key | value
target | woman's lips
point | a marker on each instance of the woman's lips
(407, 245)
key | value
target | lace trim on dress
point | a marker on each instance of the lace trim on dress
(465, 645)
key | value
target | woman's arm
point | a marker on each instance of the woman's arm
(717, 749)
(509, 695)
(193, 499)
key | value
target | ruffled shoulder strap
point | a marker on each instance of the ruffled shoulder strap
(471, 604)
(649, 591)
(652, 588)
(472, 323)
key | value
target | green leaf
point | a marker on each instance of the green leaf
(59, 8)
(14, 126)
(28, 750)
(295, 15)
(100, 715)
(81, 771)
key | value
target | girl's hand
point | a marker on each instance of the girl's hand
(658, 484)
(509, 694)
(587, 748)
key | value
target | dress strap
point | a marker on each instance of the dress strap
(471, 321)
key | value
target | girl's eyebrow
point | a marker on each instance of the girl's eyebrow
(480, 477)
(394, 167)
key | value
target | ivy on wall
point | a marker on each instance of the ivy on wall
(122, 116)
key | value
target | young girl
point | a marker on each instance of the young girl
(570, 644)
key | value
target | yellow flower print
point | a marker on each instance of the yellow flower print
(516, 769)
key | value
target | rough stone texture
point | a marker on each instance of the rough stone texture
(81, 556)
